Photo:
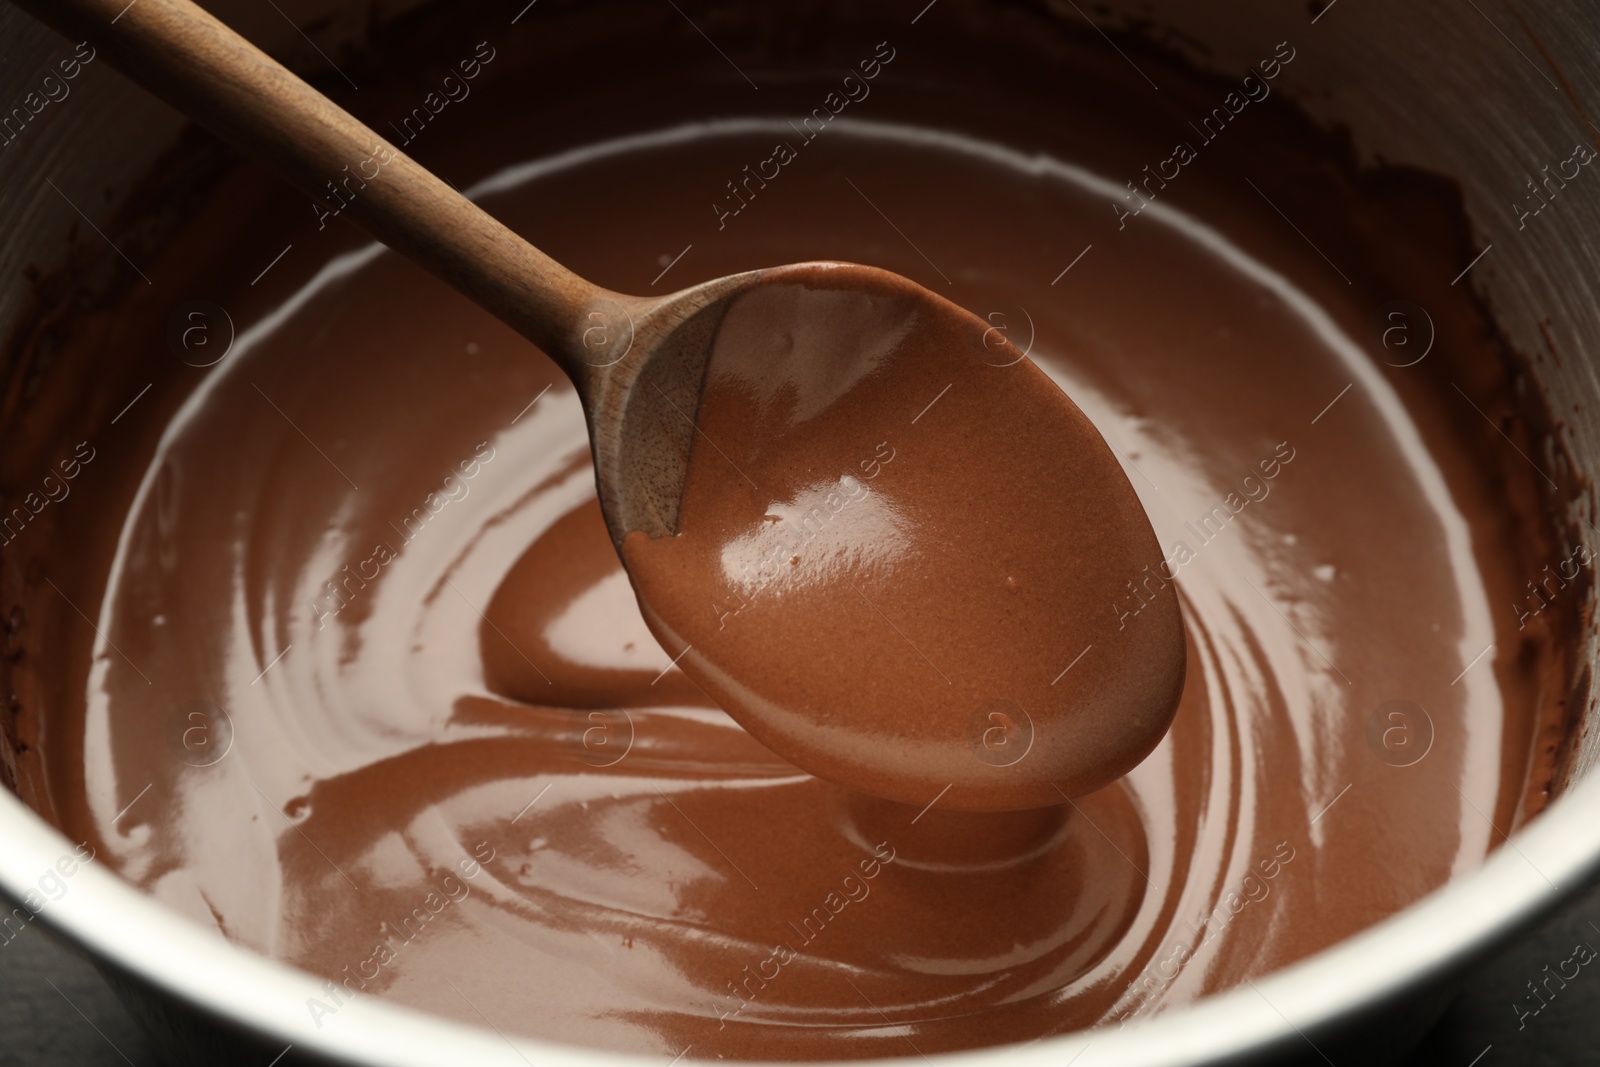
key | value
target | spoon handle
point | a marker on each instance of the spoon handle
(201, 67)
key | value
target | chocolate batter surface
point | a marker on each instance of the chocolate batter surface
(897, 535)
(440, 756)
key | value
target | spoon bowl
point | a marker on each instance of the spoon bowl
(901, 556)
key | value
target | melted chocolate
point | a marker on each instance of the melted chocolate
(458, 771)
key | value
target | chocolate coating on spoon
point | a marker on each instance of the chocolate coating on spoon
(899, 554)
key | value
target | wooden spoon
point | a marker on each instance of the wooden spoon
(642, 367)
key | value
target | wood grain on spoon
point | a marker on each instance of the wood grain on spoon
(900, 633)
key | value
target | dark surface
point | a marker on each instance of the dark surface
(55, 1009)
